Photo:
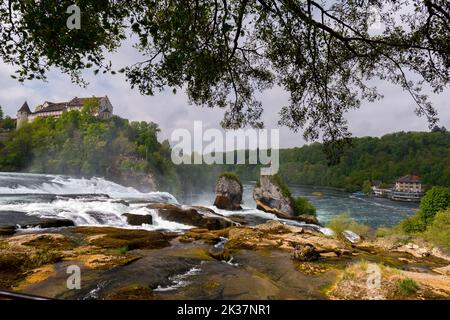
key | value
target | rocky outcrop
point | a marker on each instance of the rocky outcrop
(274, 234)
(7, 230)
(443, 270)
(269, 196)
(114, 238)
(104, 261)
(51, 223)
(142, 181)
(138, 219)
(194, 216)
(414, 250)
(272, 196)
(228, 193)
(10, 220)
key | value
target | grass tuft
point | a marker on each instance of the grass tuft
(408, 286)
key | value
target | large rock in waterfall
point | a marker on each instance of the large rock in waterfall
(138, 219)
(197, 216)
(228, 192)
(272, 195)
(269, 194)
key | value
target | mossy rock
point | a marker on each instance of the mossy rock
(131, 292)
(208, 236)
(107, 237)
(48, 243)
(212, 285)
(312, 268)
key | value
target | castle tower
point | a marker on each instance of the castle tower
(22, 115)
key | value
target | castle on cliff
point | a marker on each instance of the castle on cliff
(103, 109)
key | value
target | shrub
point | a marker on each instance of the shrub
(413, 224)
(344, 222)
(303, 206)
(439, 230)
(407, 286)
(383, 232)
(436, 199)
(123, 250)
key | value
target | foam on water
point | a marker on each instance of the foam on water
(27, 183)
(99, 202)
(95, 204)
(179, 281)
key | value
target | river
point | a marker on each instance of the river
(372, 211)
(96, 201)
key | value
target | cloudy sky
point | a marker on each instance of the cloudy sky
(393, 113)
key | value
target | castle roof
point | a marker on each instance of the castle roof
(25, 108)
(60, 106)
(53, 107)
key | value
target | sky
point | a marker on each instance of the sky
(172, 111)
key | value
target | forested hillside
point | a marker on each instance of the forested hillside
(426, 154)
(82, 145)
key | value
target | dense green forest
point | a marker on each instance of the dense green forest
(426, 154)
(82, 145)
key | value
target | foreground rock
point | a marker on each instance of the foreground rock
(7, 230)
(443, 270)
(228, 193)
(197, 216)
(51, 223)
(271, 235)
(395, 284)
(114, 238)
(30, 258)
(10, 220)
(132, 264)
(397, 244)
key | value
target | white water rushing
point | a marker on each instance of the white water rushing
(95, 202)
(28, 183)
(87, 202)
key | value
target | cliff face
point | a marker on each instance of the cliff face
(268, 194)
(140, 180)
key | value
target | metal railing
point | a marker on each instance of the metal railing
(19, 296)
